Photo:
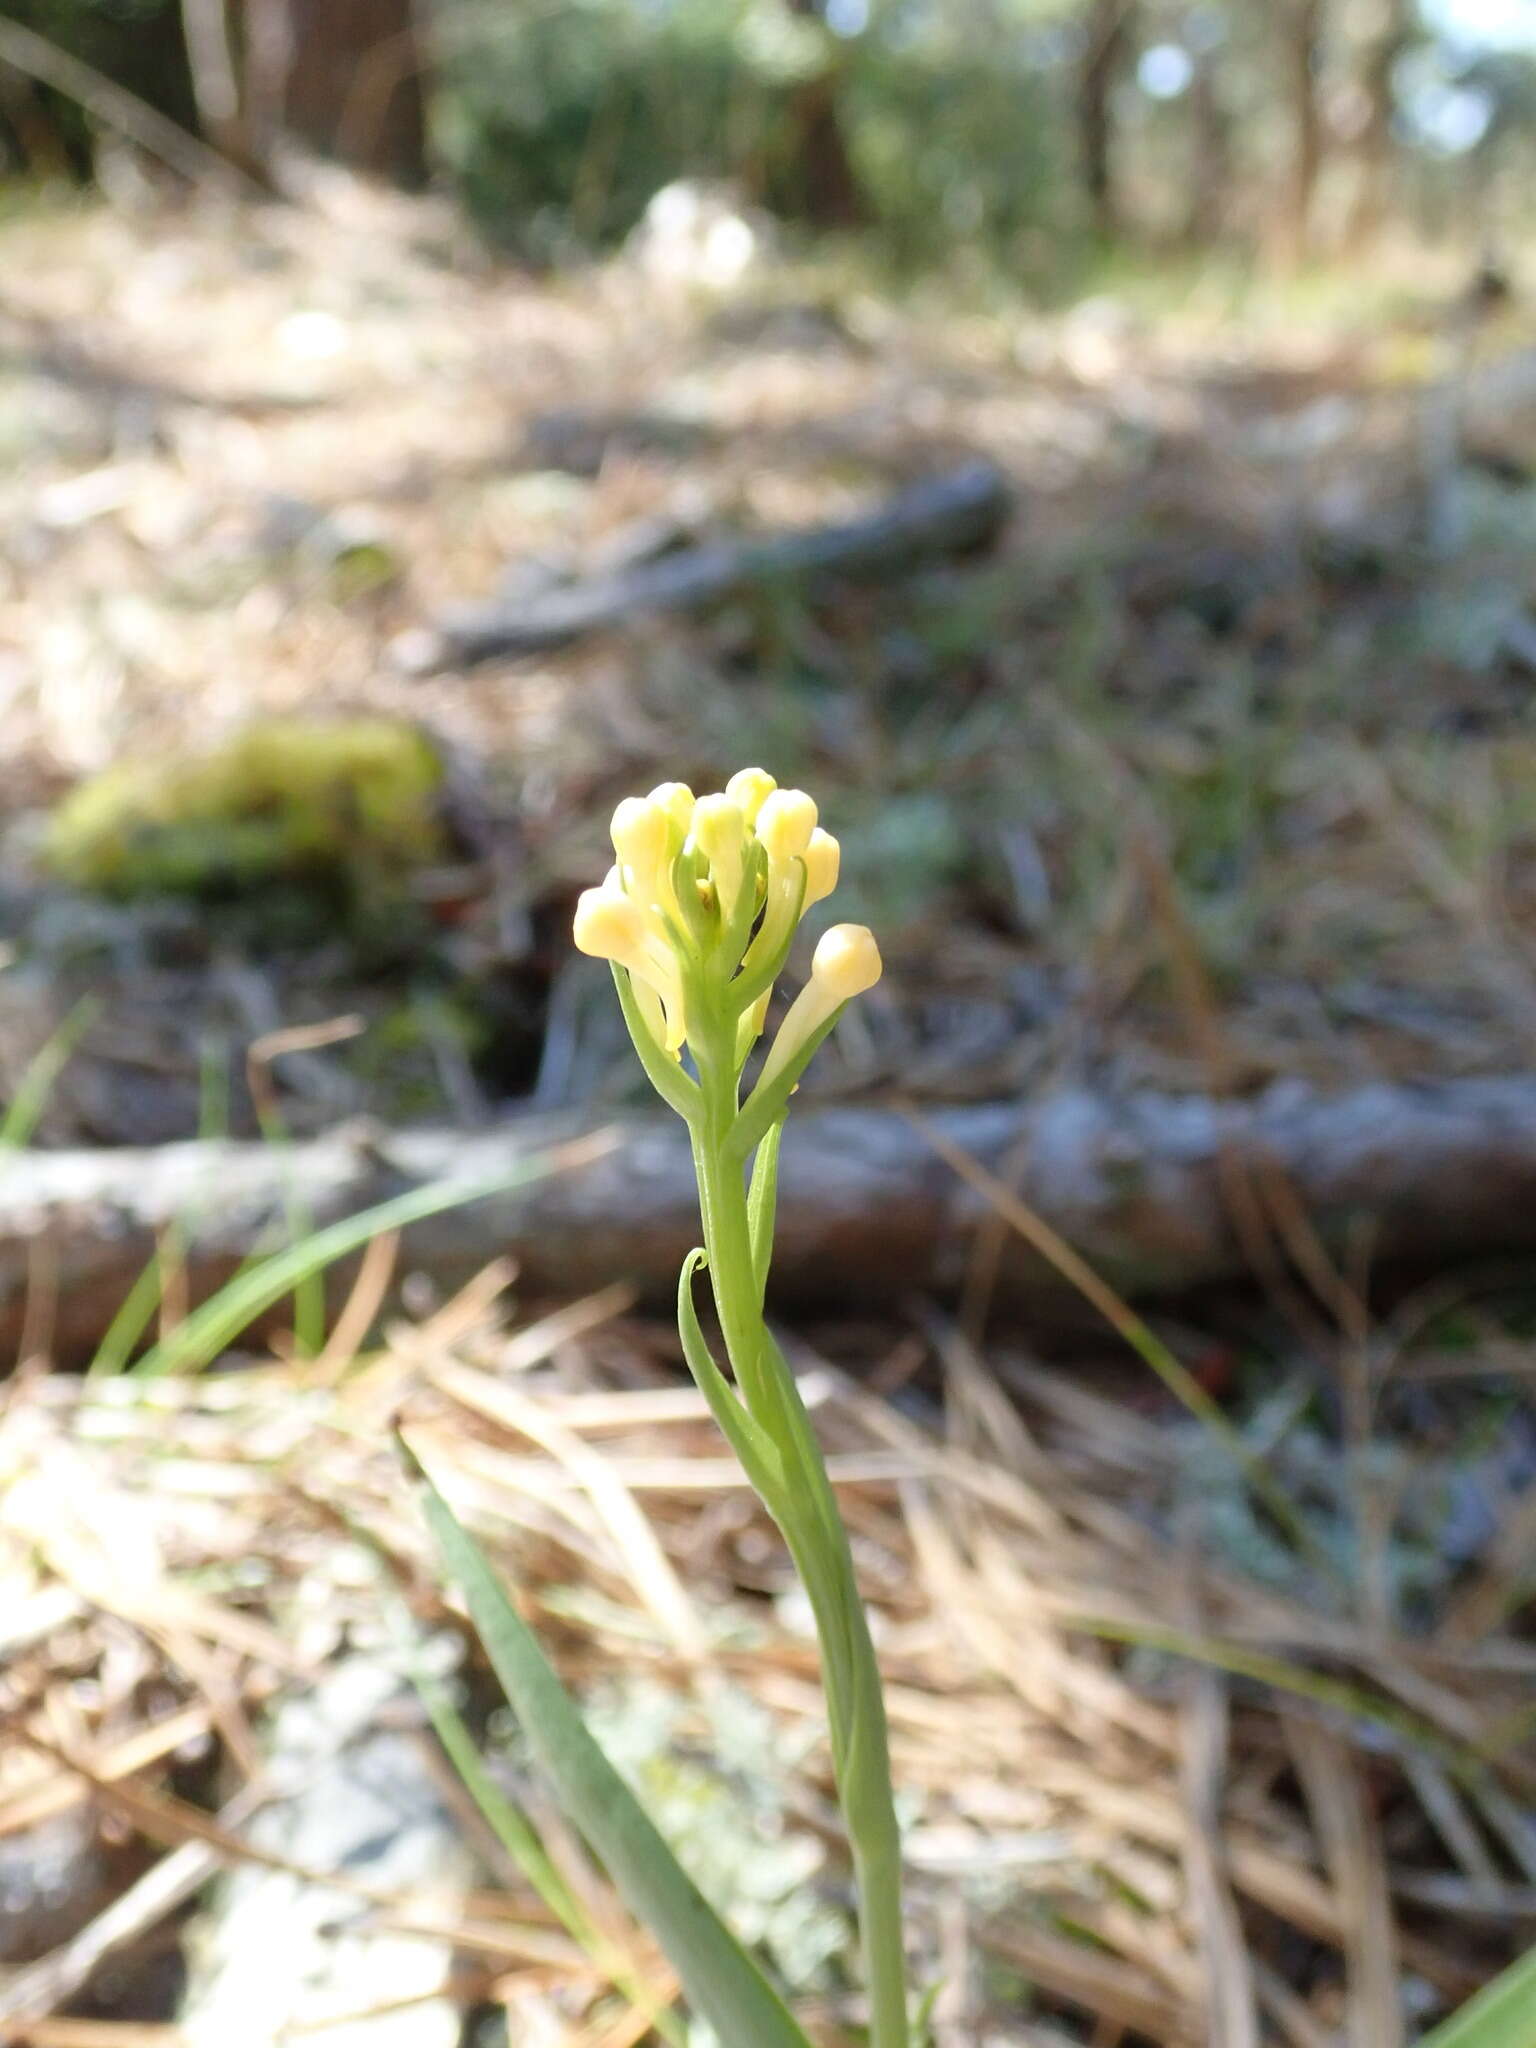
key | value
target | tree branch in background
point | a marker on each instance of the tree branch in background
(941, 515)
(116, 108)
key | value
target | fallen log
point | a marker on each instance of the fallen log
(941, 515)
(1140, 1184)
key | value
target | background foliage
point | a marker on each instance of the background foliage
(1025, 132)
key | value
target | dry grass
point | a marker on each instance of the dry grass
(1275, 1831)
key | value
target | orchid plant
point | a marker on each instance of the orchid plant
(697, 917)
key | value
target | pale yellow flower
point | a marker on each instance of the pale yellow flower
(846, 963)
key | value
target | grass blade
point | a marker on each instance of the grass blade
(1503, 2015)
(1338, 1695)
(518, 1836)
(1137, 1333)
(722, 1982)
(214, 1326)
(132, 1319)
(24, 1111)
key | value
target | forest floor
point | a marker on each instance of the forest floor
(1216, 771)
(1237, 705)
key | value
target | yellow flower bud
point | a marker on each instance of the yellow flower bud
(718, 824)
(644, 838)
(641, 829)
(823, 857)
(749, 789)
(608, 926)
(720, 832)
(785, 824)
(676, 799)
(846, 963)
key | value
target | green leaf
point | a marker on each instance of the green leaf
(759, 1456)
(26, 1106)
(133, 1314)
(722, 1983)
(1501, 2016)
(309, 1289)
(214, 1326)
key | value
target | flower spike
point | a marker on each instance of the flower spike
(700, 909)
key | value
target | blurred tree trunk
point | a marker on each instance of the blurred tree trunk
(1301, 27)
(1106, 41)
(223, 110)
(268, 54)
(354, 85)
(1211, 168)
(826, 187)
(819, 182)
(1393, 35)
(342, 75)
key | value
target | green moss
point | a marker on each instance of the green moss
(348, 805)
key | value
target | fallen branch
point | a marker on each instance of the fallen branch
(1428, 1172)
(942, 515)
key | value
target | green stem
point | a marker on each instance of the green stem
(808, 1516)
(728, 1248)
(877, 1871)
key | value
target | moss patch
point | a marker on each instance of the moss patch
(347, 807)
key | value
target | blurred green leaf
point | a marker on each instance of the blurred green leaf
(24, 1110)
(721, 1980)
(214, 1326)
(1502, 2016)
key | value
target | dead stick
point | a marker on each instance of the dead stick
(1432, 1173)
(941, 515)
